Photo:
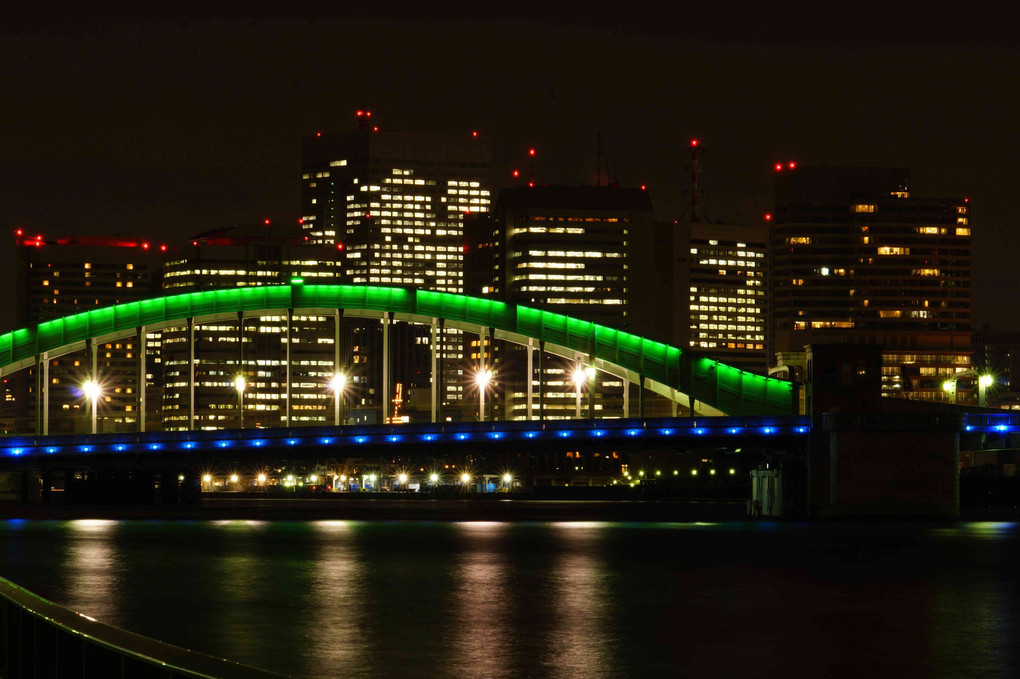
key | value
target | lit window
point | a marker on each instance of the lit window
(864, 207)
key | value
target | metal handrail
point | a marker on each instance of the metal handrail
(41, 638)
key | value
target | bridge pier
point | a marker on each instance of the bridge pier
(873, 456)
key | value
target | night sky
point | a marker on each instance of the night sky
(165, 128)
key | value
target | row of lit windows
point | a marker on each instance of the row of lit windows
(545, 229)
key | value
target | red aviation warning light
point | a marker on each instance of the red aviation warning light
(768, 217)
(266, 222)
(643, 187)
(517, 173)
(339, 246)
(318, 134)
(694, 142)
(792, 165)
(474, 133)
(145, 246)
(531, 185)
(779, 167)
(531, 152)
(360, 113)
(162, 247)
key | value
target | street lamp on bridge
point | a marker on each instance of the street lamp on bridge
(337, 384)
(239, 385)
(482, 379)
(581, 377)
(93, 391)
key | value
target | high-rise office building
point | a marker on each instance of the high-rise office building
(253, 348)
(722, 269)
(71, 274)
(394, 202)
(565, 249)
(857, 258)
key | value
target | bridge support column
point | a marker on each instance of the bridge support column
(338, 318)
(191, 373)
(541, 380)
(140, 385)
(626, 398)
(577, 390)
(531, 378)
(290, 338)
(43, 393)
(386, 320)
(433, 339)
(592, 382)
(641, 396)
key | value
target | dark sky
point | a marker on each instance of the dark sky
(168, 127)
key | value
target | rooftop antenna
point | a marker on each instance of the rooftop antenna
(693, 149)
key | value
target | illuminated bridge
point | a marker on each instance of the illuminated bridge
(701, 384)
(855, 461)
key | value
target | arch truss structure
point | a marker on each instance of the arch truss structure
(702, 384)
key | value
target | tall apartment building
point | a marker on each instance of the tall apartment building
(564, 249)
(857, 258)
(394, 202)
(71, 274)
(253, 348)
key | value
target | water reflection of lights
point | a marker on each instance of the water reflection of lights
(340, 582)
(93, 569)
(482, 596)
(579, 589)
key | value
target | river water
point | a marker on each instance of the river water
(535, 599)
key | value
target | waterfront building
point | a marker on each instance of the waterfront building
(394, 204)
(857, 258)
(71, 274)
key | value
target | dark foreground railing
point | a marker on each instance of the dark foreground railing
(40, 639)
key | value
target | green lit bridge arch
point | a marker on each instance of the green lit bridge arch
(701, 383)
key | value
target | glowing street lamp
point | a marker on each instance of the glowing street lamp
(93, 391)
(482, 378)
(581, 377)
(337, 384)
(984, 382)
(239, 385)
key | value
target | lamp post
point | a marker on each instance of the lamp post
(337, 384)
(482, 378)
(239, 385)
(581, 377)
(949, 386)
(984, 381)
(93, 391)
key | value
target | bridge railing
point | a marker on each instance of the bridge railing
(41, 639)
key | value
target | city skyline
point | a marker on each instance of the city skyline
(191, 126)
